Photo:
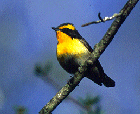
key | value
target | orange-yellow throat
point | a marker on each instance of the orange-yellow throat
(68, 45)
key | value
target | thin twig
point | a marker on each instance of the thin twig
(99, 15)
(101, 19)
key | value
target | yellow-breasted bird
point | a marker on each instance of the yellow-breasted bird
(73, 51)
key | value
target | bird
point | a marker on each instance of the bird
(73, 50)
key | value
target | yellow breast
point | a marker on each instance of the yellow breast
(71, 46)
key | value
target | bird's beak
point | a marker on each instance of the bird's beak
(56, 29)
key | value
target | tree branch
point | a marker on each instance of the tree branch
(98, 50)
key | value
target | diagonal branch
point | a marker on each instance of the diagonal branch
(98, 50)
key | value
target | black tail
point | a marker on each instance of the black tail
(108, 82)
(97, 75)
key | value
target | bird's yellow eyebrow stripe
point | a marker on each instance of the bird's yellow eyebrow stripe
(68, 26)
